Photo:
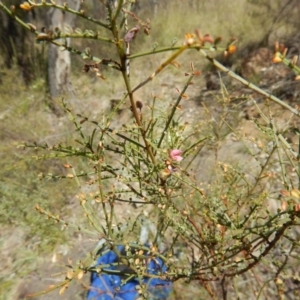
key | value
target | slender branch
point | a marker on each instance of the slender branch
(118, 10)
(248, 84)
(162, 66)
(170, 118)
(271, 244)
(83, 36)
(67, 9)
(171, 48)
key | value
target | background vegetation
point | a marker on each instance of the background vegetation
(33, 248)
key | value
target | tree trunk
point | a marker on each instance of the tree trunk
(59, 61)
(16, 42)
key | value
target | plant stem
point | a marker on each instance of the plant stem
(170, 118)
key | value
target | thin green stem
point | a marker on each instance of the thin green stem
(248, 84)
(118, 10)
(162, 66)
(167, 49)
(67, 9)
(137, 117)
(170, 118)
(102, 198)
(83, 36)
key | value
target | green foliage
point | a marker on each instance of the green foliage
(144, 178)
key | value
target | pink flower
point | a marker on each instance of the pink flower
(130, 35)
(175, 155)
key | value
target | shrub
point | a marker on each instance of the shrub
(146, 187)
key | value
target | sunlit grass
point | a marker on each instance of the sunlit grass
(26, 117)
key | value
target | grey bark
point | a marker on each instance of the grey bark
(59, 61)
